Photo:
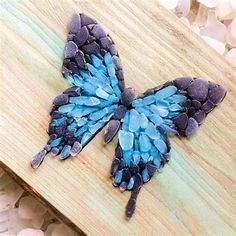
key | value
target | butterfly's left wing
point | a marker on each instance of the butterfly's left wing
(177, 107)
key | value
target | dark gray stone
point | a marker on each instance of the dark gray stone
(73, 91)
(181, 121)
(128, 96)
(120, 112)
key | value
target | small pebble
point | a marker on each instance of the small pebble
(111, 130)
(208, 106)
(192, 127)
(128, 96)
(199, 116)
(81, 37)
(70, 50)
(61, 99)
(75, 24)
(181, 121)
(198, 89)
(217, 94)
(183, 82)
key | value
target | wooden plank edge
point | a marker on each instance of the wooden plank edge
(39, 197)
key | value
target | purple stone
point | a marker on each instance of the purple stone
(61, 99)
(199, 116)
(128, 96)
(92, 48)
(80, 60)
(114, 166)
(111, 130)
(191, 127)
(117, 62)
(198, 89)
(75, 24)
(98, 31)
(86, 20)
(217, 94)
(72, 91)
(70, 50)
(113, 50)
(183, 82)
(106, 42)
(196, 104)
(82, 36)
(181, 121)
(119, 112)
(208, 106)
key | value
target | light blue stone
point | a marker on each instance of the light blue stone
(152, 132)
(57, 122)
(92, 69)
(78, 81)
(134, 122)
(108, 59)
(102, 69)
(108, 89)
(126, 139)
(72, 125)
(162, 111)
(173, 114)
(136, 143)
(85, 75)
(157, 162)
(168, 122)
(117, 91)
(89, 88)
(168, 129)
(118, 177)
(143, 120)
(96, 61)
(111, 70)
(92, 101)
(177, 98)
(76, 112)
(162, 103)
(65, 152)
(98, 114)
(125, 125)
(145, 175)
(102, 77)
(144, 143)
(156, 119)
(81, 131)
(86, 138)
(175, 107)
(94, 128)
(69, 77)
(143, 110)
(137, 102)
(136, 157)
(131, 183)
(127, 155)
(66, 108)
(155, 153)
(81, 121)
(160, 145)
(114, 80)
(149, 100)
(165, 92)
(55, 142)
(88, 110)
(107, 117)
(145, 157)
(101, 93)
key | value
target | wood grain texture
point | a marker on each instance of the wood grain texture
(196, 192)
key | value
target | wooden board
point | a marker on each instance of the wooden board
(196, 192)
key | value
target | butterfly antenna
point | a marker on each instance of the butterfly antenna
(131, 205)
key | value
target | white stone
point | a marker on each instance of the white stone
(233, 27)
(214, 28)
(37, 222)
(30, 208)
(201, 17)
(195, 28)
(62, 230)
(231, 56)
(183, 8)
(169, 4)
(209, 3)
(30, 232)
(230, 40)
(217, 45)
(225, 9)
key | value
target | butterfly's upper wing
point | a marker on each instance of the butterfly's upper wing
(92, 65)
(177, 107)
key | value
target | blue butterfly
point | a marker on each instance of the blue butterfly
(99, 98)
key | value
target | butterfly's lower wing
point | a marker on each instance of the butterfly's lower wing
(177, 107)
(91, 63)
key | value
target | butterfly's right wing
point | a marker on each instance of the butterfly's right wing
(91, 63)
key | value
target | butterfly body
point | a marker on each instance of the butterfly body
(99, 98)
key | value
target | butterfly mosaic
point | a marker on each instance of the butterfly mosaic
(99, 98)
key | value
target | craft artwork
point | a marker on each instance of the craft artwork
(99, 98)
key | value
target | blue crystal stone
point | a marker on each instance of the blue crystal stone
(82, 121)
(126, 139)
(108, 89)
(111, 70)
(143, 110)
(145, 175)
(136, 157)
(101, 93)
(92, 101)
(58, 121)
(78, 81)
(113, 80)
(127, 155)
(55, 142)
(162, 103)
(65, 152)
(144, 143)
(66, 108)
(96, 61)
(155, 154)
(172, 114)
(108, 59)
(118, 177)
(94, 128)
(168, 129)
(159, 110)
(102, 69)
(160, 145)
(117, 91)
(89, 88)
(156, 119)
(165, 92)
(149, 100)
(86, 137)
(168, 122)
(81, 131)
(143, 120)
(92, 70)
(152, 132)
(145, 157)
(137, 102)
(131, 183)
(177, 98)
(125, 125)
(175, 107)
(98, 114)
(134, 121)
